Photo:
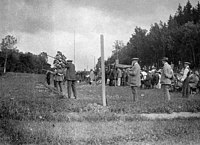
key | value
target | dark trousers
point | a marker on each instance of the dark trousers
(134, 90)
(111, 82)
(58, 86)
(55, 83)
(71, 84)
(186, 89)
(48, 80)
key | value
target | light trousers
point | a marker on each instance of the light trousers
(135, 93)
(166, 88)
(118, 81)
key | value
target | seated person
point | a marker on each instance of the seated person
(194, 79)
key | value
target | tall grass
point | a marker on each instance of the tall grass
(24, 106)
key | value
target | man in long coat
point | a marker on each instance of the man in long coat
(134, 78)
(71, 78)
(166, 76)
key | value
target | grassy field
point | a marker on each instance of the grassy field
(33, 114)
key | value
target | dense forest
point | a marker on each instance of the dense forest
(178, 39)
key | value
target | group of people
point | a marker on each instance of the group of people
(166, 77)
(64, 72)
(116, 77)
(133, 76)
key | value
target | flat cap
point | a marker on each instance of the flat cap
(165, 59)
(135, 58)
(188, 63)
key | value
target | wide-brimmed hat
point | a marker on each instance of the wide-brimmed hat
(165, 59)
(188, 63)
(135, 58)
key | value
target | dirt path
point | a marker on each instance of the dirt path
(171, 116)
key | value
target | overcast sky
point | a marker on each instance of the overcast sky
(49, 25)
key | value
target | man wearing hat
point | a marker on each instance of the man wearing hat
(185, 80)
(166, 76)
(134, 78)
(71, 78)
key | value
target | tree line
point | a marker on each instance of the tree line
(178, 39)
(12, 60)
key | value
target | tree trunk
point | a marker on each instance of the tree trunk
(5, 63)
(193, 55)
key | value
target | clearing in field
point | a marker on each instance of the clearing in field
(32, 113)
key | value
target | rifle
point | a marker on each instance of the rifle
(49, 71)
(57, 59)
(59, 74)
(51, 56)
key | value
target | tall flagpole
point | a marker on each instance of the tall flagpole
(74, 48)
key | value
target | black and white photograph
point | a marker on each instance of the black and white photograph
(99, 72)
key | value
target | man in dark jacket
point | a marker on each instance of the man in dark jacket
(71, 78)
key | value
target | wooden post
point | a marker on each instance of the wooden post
(103, 70)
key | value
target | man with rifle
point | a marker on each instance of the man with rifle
(70, 75)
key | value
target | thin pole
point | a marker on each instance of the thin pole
(74, 47)
(103, 70)
(94, 62)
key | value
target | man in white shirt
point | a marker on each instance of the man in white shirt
(119, 76)
(185, 80)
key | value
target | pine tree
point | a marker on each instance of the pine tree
(187, 12)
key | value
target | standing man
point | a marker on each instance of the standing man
(166, 76)
(91, 77)
(71, 78)
(115, 76)
(54, 77)
(59, 77)
(48, 77)
(185, 80)
(111, 77)
(119, 76)
(123, 77)
(134, 78)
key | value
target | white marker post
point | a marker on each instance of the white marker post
(103, 71)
